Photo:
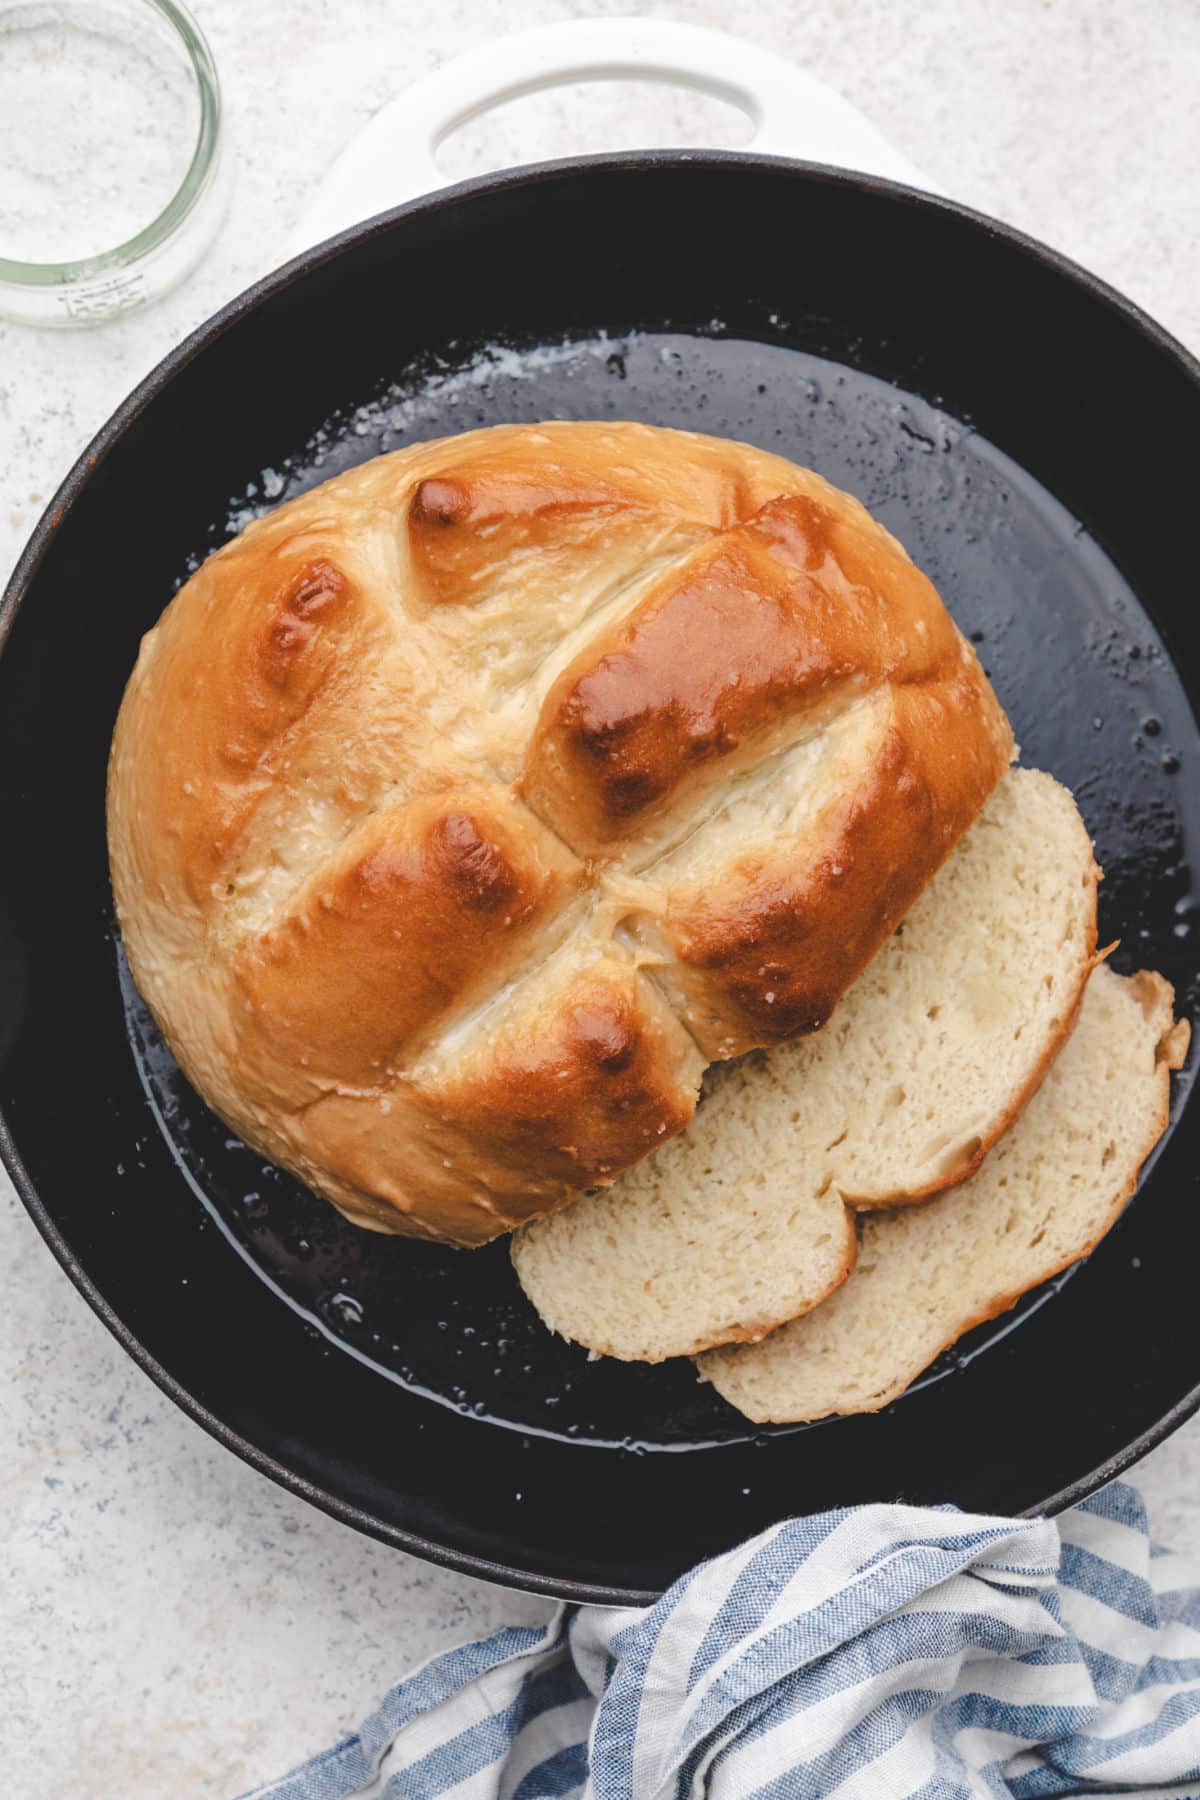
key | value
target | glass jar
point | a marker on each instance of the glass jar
(111, 167)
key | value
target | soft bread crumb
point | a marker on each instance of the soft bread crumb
(741, 1222)
(1044, 1198)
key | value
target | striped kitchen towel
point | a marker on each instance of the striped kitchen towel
(877, 1652)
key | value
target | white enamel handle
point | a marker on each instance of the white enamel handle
(395, 157)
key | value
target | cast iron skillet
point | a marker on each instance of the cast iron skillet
(1030, 435)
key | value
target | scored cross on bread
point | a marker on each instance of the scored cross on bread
(463, 809)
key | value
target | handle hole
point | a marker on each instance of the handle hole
(601, 114)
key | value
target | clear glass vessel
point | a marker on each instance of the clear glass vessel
(111, 166)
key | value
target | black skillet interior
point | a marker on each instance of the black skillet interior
(1030, 438)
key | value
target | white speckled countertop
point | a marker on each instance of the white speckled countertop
(170, 1623)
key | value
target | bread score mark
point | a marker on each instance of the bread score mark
(354, 935)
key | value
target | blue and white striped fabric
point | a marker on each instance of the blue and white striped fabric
(881, 1652)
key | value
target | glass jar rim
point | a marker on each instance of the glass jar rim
(168, 220)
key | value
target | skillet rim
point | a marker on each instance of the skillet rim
(140, 397)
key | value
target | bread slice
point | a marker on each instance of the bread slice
(1044, 1198)
(741, 1222)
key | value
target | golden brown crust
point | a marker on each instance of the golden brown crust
(1174, 1047)
(423, 911)
(734, 652)
(609, 1077)
(564, 1098)
(755, 641)
(766, 955)
(415, 734)
(278, 632)
(465, 524)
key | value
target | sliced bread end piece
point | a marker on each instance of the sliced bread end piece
(1045, 1197)
(740, 1222)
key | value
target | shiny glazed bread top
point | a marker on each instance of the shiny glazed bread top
(463, 809)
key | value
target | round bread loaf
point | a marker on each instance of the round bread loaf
(462, 810)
